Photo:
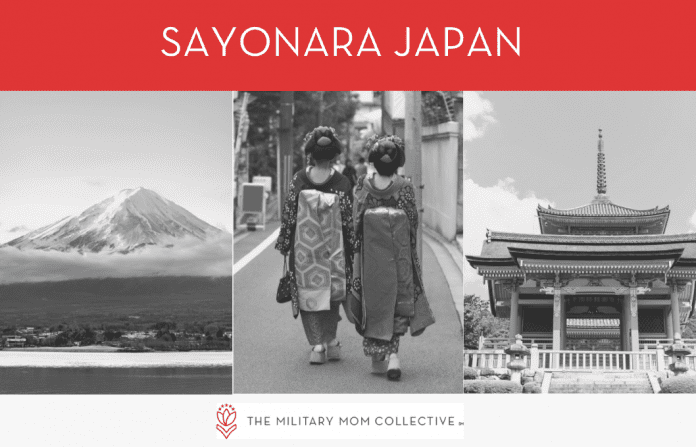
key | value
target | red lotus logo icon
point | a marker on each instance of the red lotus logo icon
(226, 416)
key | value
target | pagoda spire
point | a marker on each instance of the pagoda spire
(601, 170)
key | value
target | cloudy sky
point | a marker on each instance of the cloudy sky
(61, 152)
(526, 148)
(191, 258)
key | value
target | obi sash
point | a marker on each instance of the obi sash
(387, 270)
(318, 251)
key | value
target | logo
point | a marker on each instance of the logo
(226, 416)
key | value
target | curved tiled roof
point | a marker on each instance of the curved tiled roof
(602, 209)
(572, 239)
(593, 322)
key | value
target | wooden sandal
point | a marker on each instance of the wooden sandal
(394, 368)
(317, 357)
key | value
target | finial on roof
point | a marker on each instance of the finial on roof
(601, 170)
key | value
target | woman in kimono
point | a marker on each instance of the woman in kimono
(316, 235)
(388, 296)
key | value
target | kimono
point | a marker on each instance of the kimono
(318, 251)
(319, 254)
(388, 296)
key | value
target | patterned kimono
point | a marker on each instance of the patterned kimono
(387, 269)
(320, 265)
(311, 213)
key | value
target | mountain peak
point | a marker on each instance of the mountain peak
(132, 194)
(135, 190)
(131, 219)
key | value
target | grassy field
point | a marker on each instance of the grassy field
(119, 303)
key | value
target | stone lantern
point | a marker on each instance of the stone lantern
(678, 351)
(517, 352)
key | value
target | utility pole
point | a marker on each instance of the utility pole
(239, 152)
(241, 156)
(234, 167)
(287, 110)
(412, 168)
(320, 115)
(279, 175)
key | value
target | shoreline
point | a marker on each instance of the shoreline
(101, 349)
(66, 349)
(55, 357)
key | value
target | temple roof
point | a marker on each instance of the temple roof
(602, 209)
(497, 244)
(593, 323)
(506, 256)
(512, 254)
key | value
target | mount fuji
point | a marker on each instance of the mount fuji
(128, 221)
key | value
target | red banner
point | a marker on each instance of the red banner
(590, 45)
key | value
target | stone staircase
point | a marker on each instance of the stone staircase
(594, 382)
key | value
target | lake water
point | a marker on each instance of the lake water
(192, 372)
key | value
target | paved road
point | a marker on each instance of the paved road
(271, 353)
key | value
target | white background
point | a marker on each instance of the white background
(490, 420)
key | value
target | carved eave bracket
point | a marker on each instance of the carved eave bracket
(512, 284)
(679, 285)
(589, 290)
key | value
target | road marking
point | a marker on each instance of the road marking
(255, 252)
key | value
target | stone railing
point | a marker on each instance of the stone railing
(598, 360)
(486, 359)
(651, 343)
(546, 343)
(644, 360)
(503, 342)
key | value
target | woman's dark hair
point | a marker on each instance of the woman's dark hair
(322, 144)
(386, 153)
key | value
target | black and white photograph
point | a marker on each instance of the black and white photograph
(347, 242)
(116, 225)
(580, 242)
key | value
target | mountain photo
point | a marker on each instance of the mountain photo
(115, 253)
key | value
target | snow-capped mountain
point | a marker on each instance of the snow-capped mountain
(131, 219)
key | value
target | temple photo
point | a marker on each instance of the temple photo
(347, 242)
(580, 242)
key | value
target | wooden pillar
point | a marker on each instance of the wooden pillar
(564, 323)
(514, 312)
(633, 298)
(676, 329)
(626, 324)
(669, 326)
(557, 311)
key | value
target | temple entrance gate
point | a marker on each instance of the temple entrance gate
(594, 323)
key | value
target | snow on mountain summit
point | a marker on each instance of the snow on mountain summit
(129, 220)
